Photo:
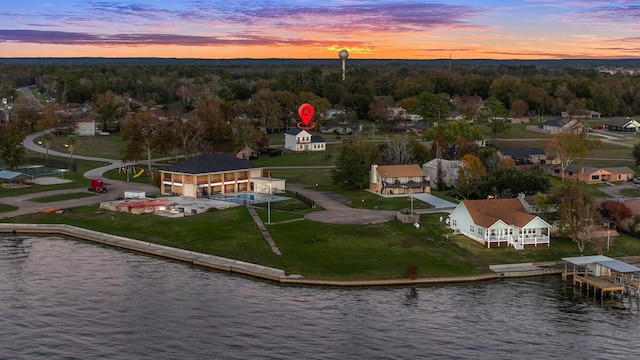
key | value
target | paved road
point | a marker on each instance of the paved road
(26, 206)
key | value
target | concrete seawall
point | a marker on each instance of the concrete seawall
(229, 265)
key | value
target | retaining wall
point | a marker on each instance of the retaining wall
(229, 265)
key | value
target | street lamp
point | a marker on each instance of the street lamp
(40, 143)
(269, 203)
(410, 196)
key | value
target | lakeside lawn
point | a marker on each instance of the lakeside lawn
(322, 251)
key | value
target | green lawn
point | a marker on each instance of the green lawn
(61, 197)
(360, 199)
(308, 158)
(307, 177)
(7, 208)
(322, 251)
(109, 146)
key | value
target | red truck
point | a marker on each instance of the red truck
(97, 185)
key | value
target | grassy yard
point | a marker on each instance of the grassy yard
(109, 146)
(62, 197)
(322, 251)
(7, 208)
(308, 158)
(307, 177)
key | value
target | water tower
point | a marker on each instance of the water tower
(344, 54)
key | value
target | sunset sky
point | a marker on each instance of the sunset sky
(385, 29)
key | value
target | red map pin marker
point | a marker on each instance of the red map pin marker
(306, 112)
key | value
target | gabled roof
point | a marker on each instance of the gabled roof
(12, 175)
(444, 163)
(295, 131)
(522, 152)
(420, 126)
(487, 212)
(87, 118)
(317, 139)
(394, 171)
(211, 163)
(621, 122)
(575, 168)
(557, 122)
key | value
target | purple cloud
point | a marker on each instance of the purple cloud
(79, 38)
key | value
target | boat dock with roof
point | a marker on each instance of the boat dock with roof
(602, 274)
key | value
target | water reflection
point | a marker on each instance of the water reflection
(64, 298)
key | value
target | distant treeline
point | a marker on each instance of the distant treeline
(545, 87)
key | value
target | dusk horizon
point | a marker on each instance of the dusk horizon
(368, 29)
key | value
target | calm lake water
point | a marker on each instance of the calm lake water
(61, 298)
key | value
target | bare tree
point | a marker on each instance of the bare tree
(399, 150)
(567, 147)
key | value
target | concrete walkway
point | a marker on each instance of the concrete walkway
(263, 229)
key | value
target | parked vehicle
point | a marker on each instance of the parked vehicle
(97, 185)
(636, 180)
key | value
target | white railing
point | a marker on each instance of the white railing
(519, 241)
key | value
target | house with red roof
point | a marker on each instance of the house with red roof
(500, 222)
(86, 126)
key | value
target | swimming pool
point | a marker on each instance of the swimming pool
(248, 198)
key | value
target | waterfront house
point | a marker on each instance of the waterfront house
(398, 179)
(220, 173)
(499, 222)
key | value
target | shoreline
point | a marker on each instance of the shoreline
(241, 267)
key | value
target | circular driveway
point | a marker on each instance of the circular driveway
(337, 213)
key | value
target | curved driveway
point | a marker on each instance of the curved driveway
(334, 213)
(116, 187)
(337, 213)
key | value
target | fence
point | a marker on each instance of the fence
(51, 162)
(284, 206)
(306, 200)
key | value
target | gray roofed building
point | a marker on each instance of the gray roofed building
(525, 156)
(624, 124)
(211, 163)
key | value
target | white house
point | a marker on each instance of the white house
(86, 126)
(622, 124)
(450, 169)
(301, 140)
(500, 222)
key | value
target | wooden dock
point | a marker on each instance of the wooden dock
(603, 284)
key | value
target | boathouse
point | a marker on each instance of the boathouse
(601, 274)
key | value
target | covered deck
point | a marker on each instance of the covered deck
(601, 274)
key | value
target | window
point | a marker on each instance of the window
(481, 231)
(454, 222)
(595, 177)
(472, 228)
